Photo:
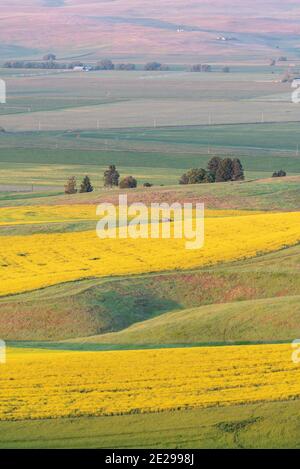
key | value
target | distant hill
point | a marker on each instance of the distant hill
(171, 29)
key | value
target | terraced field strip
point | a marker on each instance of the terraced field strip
(77, 212)
(40, 260)
(46, 384)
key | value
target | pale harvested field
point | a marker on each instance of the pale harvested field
(134, 99)
(146, 113)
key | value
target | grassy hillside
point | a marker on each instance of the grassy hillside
(269, 194)
(87, 308)
(248, 426)
(249, 321)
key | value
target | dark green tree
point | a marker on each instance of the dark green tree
(111, 176)
(213, 166)
(238, 170)
(209, 178)
(86, 185)
(225, 171)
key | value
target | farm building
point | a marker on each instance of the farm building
(82, 68)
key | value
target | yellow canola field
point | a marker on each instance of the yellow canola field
(62, 384)
(36, 261)
(39, 214)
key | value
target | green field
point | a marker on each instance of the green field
(268, 425)
(159, 156)
(153, 126)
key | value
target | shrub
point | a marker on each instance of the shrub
(129, 182)
(70, 187)
(279, 174)
(194, 176)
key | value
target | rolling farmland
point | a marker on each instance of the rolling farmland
(142, 343)
(38, 261)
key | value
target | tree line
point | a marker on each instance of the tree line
(104, 64)
(49, 62)
(111, 178)
(218, 170)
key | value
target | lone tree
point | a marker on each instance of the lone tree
(86, 185)
(111, 176)
(70, 187)
(238, 170)
(49, 57)
(225, 171)
(129, 182)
